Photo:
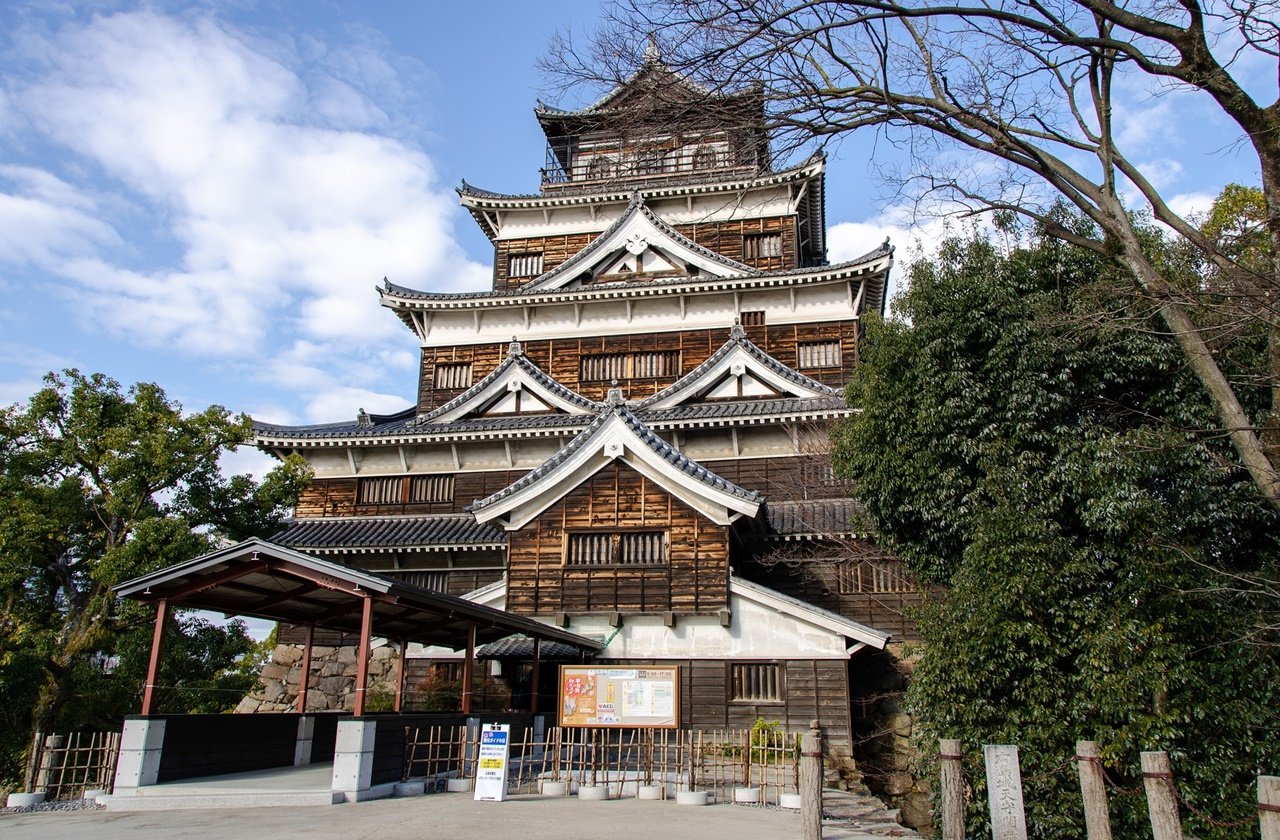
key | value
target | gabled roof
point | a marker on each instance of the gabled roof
(260, 579)
(653, 73)
(742, 363)
(639, 230)
(617, 434)
(787, 605)
(491, 395)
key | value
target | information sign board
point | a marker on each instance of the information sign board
(491, 767)
(620, 696)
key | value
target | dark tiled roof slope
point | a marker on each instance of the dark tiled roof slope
(459, 530)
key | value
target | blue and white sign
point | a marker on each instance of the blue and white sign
(491, 770)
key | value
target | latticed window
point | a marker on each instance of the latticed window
(430, 488)
(606, 366)
(524, 265)
(398, 489)
(651, 162)
(818, 354)
(380, 491)
(866, 576)
(752, 318)
(616, 548)
(756, 681)
(435, 581)
(601, 166)
(760, 245)
(453, 375)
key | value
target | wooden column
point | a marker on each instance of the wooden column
(468, 666)
(811, 783)
(305, 677)
(1269, 807)
(1097, 820)
(1162, 802)
(952, 784)
(362, 656)
(533, 678)
(157, 651)
(400, 670)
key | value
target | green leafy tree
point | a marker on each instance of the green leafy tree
(1045, 464)
(99, 485)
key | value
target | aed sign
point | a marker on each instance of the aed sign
(491, 762)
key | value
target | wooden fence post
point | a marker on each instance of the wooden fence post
(952, 784)
(33, 761)
(1269, 807)
(50, 758)
(1162, 801)
(1004, 792)
(1093, 789)
(811, 783)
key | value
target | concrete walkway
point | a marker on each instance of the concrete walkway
(446, 816)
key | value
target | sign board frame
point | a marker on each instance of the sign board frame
(621, 691)
(492, 762)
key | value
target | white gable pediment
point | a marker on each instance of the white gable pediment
(738, 370)
(518, 386)
(616, 437)
(638, 243)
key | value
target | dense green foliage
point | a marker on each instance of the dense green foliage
(1029, 439)
(98, 486)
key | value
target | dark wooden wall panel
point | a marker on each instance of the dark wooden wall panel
(694, 579)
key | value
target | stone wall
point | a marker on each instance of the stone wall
(882, 736)
(332, 682)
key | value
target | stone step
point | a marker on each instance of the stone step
(159, 802)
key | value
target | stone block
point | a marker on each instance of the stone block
(274, 671)
(896, 784)
(347, 655)
(900, 723)
(287, 654)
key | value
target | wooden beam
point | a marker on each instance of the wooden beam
(305, 676)
(362, 655)
(533, 677)
(157, 651)
(400, 674)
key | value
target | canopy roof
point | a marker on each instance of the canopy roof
(260, 579)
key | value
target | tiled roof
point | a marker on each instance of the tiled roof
(376, 426)
(421, 532)
(519, 647)
(689, 467)
(733, 409)
(822, 517)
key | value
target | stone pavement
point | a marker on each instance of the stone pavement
(458, 817)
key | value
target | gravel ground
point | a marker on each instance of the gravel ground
(59, 805)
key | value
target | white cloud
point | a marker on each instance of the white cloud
(26, 367)
(269, 175)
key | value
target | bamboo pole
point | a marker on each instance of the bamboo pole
(1162, 802)
(1093, 790)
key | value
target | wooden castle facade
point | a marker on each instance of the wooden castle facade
(627, 436)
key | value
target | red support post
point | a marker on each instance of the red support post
(305, 676)
(362, 656)
(468, 666)
(157, 651)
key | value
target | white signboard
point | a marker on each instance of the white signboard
(1004, 792)
(491, 770)
(619, 695)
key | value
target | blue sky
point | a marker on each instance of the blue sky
(204, 195)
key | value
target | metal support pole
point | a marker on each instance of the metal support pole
(362, 655)
(157, 651)
(533, 678)
(811, 783)
(468, 666)
(305, 676)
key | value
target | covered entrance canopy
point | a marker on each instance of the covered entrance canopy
(263, 580)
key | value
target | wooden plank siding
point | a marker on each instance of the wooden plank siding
(695, 578)
(561, 358)
(337, 496)
(725, 238)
